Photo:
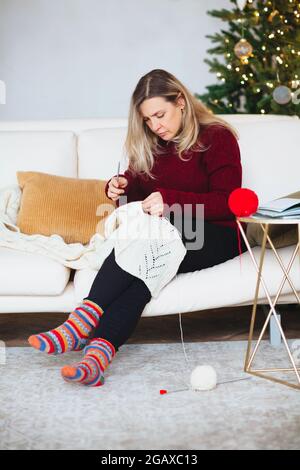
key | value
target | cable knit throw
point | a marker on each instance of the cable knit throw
(149, 247)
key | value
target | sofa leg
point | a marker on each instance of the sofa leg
(275, 336)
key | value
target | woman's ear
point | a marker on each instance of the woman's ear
(180, 101)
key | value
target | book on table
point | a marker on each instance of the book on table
(285, 207)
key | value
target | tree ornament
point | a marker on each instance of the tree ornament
(295, 83)
(282, 94)
(272, 14)
(243, 50)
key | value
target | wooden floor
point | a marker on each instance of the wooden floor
(207, 325)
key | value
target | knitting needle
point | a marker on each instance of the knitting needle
(219, 383)
(234, 380)
(118, 172)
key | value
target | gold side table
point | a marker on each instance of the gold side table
(264, 224)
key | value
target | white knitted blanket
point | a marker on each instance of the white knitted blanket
(148, 247)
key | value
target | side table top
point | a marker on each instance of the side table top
(268, 220)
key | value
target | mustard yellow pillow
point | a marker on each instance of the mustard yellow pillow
(73, 208)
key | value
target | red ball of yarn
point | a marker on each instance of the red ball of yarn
(243, 202)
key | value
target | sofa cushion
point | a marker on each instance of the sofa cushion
(99, 152)
(63, 302)
(280, 234)
(50, 152)
(269, 157)
(83, 280)
(68, 207)
(30, 274)
(206, 288)
(75, 125)
(265, 142)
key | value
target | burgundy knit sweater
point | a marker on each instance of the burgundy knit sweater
(207, 178)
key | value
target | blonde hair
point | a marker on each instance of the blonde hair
(141, 143)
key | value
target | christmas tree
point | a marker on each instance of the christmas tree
(260, 67)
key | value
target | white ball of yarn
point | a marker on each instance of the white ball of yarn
(203, 378)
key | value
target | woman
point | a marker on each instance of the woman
(180, 156)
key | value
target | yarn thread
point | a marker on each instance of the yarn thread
(189, 386)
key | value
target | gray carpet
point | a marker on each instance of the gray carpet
(39, 410)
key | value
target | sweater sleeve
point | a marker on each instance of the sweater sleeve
(132, 192)
(223, 167)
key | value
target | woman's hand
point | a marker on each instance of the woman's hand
(115, 189)
(153, 204)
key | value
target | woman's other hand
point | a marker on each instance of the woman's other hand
(153, 204)
(115, 188)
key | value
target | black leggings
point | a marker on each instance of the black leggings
(123, 296)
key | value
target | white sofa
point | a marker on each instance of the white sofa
(91, 148)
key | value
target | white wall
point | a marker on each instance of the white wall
(83, 58)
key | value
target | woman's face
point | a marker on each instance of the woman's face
(162, 117)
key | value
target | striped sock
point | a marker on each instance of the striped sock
(90, 371)
(73, 334)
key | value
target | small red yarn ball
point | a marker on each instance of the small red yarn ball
(243, 202)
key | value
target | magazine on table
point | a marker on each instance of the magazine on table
(285, 207)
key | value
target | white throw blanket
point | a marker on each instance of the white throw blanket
(146, 246)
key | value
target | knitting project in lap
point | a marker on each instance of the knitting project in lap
(148, 247)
